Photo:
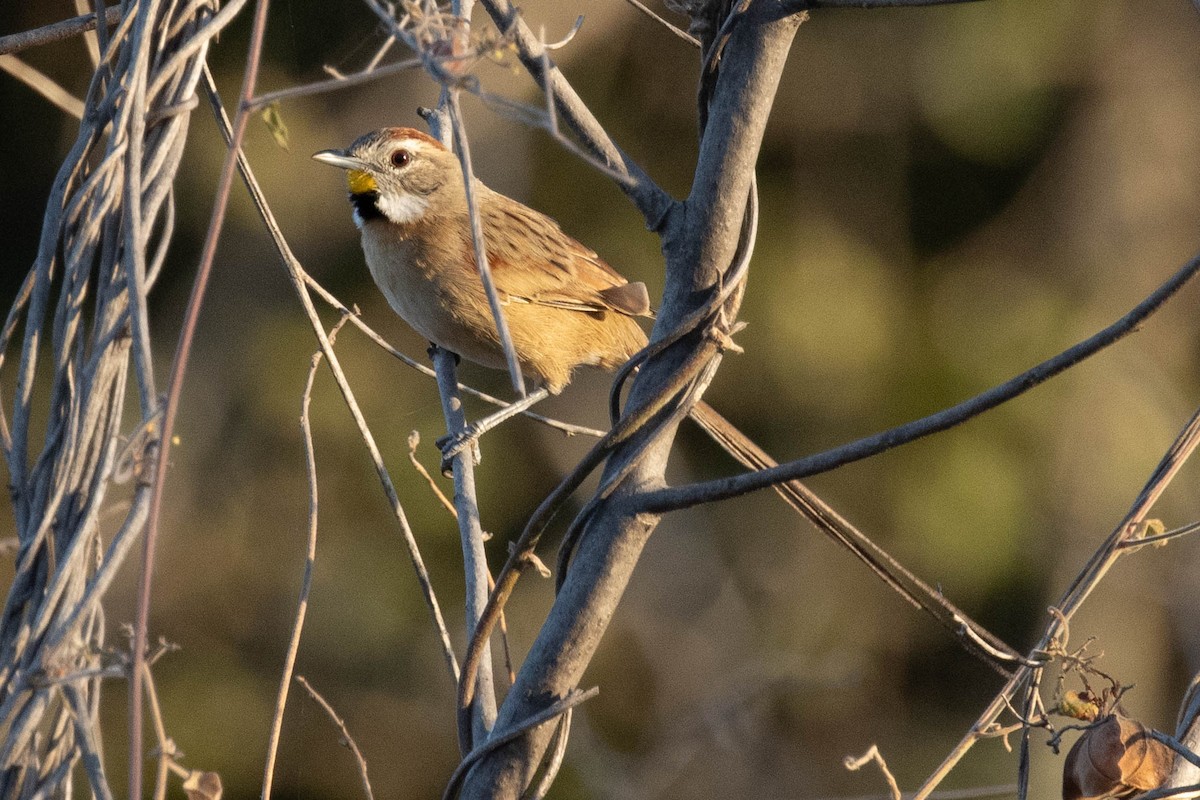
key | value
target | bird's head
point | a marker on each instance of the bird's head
(396, 174)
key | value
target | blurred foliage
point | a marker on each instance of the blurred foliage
(949, 195)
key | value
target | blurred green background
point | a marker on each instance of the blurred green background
(949, 195)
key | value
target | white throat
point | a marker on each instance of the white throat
(400, 209)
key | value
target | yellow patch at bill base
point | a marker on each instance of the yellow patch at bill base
(360, 182)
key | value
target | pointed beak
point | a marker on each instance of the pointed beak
(338, 158)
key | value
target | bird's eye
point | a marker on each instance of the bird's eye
(400, 158)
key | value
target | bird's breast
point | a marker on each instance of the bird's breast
(426, 285)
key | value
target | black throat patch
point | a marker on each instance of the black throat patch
(366, 205)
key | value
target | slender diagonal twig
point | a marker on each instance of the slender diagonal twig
(355, 320)
(166, 748)
(480, 244)
(57, 31)
(674, 29)
(43, 84)
(345, 732)
(310, 560)
(295, 274)
(1159, 538)
(675, 498)
(853, 764)
(333, 84)
(975, 638)
(90, 39)
(414, 439)
(647, 196)
(1076, 594)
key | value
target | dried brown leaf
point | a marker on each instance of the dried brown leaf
(1113, 758)
(201, 785)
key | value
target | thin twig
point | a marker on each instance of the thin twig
(57, 31)
(1079, 590)
(296, 275)
(43, 84)
(166, 747)
(310, 561)
(414, 439)
(175, 386)
(480, 244)
(974, 638)
(650, 199)
(675, 498)
(1158, 538)
(332, 85)
(675, 29)
(554, 760)
(565, 427)
(347, 739)
(874, 756)
(90, 40)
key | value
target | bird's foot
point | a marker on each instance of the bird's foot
(452, 444)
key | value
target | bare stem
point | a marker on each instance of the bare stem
(1079, 590)
(310, 561)
(296, 274)
(345, 732)
(42, 84)
(475, 725)
(481, 260)
(175, 389)
(675, 498)
(57, 31)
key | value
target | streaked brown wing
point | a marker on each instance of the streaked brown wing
(532, 259)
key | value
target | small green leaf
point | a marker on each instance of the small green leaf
(275, 124)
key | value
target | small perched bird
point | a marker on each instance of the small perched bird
(564, 306)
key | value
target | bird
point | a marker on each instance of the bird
(564, 306)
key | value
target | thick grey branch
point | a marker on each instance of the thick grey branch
(700, 244)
